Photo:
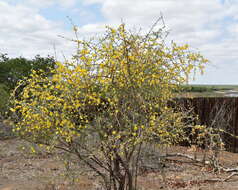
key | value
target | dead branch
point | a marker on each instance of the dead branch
(222, 180)
(188, 157)
(230, 176)
(202, 161)
(229, 169)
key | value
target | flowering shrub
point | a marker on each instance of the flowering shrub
(108, 102)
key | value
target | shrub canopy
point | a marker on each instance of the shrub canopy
(113, 97)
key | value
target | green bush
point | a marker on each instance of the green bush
(14, 69)
(194, 88)
(4, 99)
(5, 127)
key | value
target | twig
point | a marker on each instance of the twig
(233, 170)
(188, 157)
(229, 169)
(230, 176)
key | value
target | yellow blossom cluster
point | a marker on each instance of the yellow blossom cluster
(116, 91)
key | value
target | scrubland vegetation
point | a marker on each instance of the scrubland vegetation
(107, 111)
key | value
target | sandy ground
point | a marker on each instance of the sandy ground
(20, 170)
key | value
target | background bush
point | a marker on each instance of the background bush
(12, 70)
(4, 99)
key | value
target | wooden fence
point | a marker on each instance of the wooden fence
(221, 112)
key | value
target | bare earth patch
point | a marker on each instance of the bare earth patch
(19, 171)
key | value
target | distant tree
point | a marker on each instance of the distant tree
(14, 69)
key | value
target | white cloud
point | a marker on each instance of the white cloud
(47, 3)
(207, 25)
(25, 32)
(67, 3)
(39, 4)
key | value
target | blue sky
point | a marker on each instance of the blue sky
(30, 27)
(81, 14)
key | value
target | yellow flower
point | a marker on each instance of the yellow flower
(33, 150)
